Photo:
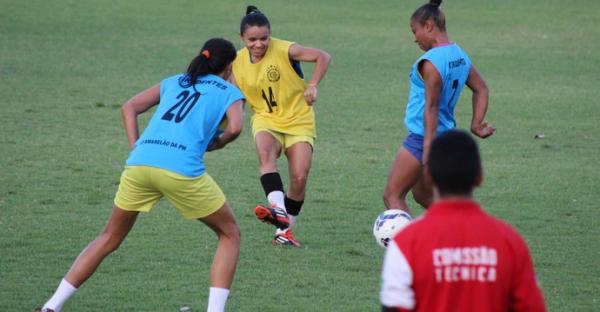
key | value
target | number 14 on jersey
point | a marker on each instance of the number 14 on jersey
(270, 100)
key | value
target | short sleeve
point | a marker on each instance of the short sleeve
(397, 278)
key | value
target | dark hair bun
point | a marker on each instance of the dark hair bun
(251, 9)
(437, 3)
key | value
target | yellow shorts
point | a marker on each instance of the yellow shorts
(141, 187)
(286, 140)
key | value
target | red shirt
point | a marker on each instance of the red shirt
(459, 258)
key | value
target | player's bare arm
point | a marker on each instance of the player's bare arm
(235, 124)
(480, 99)
(135, 106)
(321, 60)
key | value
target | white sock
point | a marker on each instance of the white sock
(217, 298)
(277, 198)
(64, 291)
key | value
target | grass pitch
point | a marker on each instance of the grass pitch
(67, 66)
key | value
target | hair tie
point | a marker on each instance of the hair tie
(206, 54)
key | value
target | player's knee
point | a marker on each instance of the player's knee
(299, 180)
(386, 197)
(109, 242)
(423, 199)
(263, 159)
(391, 194)
(266, 158)
(233, 234)
(236, 235)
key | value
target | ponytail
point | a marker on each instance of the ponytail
(251, 9)
(253, 17)
(213, 58)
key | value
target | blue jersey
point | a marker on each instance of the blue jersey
(184, 123)
(453, 65)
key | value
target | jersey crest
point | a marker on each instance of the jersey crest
(273, 73)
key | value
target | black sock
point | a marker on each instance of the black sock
(293, 207)
(271, 182)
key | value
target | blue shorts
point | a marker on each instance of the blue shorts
(414, 144)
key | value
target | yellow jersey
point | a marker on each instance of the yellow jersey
(274, 91)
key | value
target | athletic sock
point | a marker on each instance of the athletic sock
(276, 198)
(293, 208)
(273, 187)
(64, 291)
(217, 298)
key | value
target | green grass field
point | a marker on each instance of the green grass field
(67, 66)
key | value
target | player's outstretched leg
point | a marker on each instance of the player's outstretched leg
(223, 223)
(299, 157)
(269, 149)
(404, 174)
(118, 226)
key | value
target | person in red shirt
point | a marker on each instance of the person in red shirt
(457, 257)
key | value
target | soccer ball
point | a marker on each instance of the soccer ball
(388, 223)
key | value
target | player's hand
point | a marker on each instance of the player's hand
(310, 94)
(483, 129)
(215, 145)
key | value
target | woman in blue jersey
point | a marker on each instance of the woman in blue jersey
(436, 81)
(167, 161)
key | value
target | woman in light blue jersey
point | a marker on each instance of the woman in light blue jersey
(167, 160)
(436, 81)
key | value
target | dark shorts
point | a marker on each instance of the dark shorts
(414, 144)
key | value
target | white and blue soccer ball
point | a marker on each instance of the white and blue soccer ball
(388, 224)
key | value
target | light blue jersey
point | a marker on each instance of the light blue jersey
(184, 123)
(453, 65)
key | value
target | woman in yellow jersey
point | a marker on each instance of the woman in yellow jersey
(267, 70)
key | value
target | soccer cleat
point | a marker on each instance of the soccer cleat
(285, 238)
(275, 216)
(43, 310)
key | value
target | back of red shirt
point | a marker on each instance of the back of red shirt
(463, 259)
